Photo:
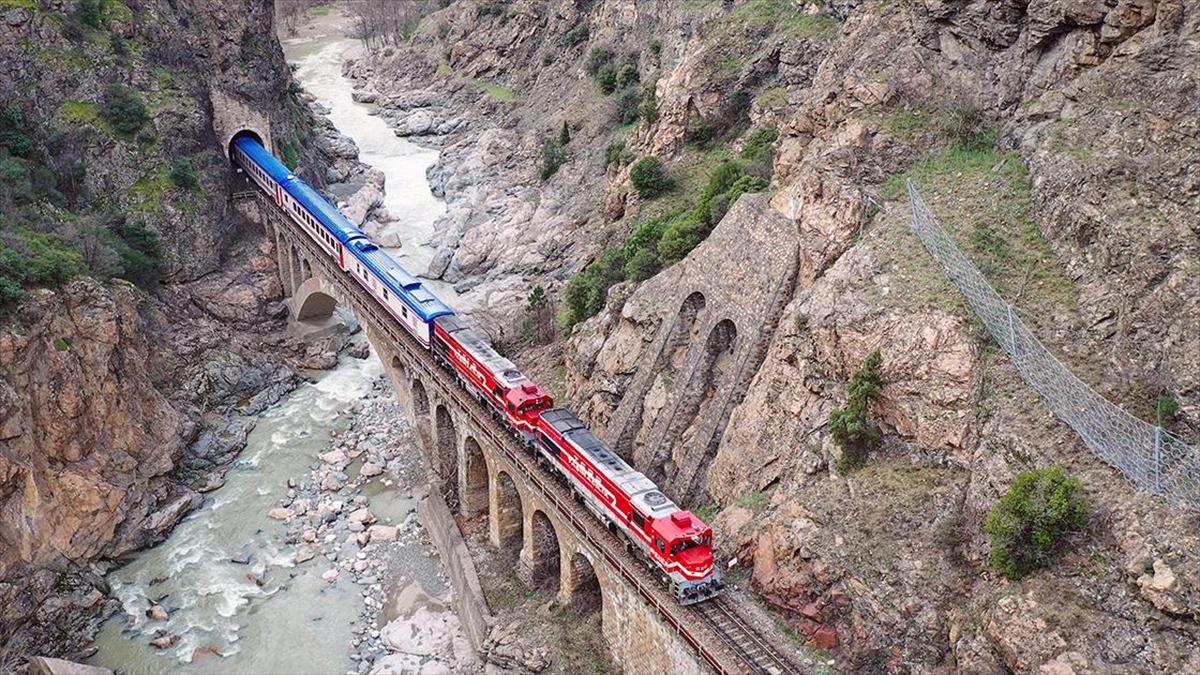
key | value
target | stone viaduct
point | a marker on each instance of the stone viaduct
(476, 470)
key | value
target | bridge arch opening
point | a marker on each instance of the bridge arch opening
(586, 595)
(544, 556)
(447, 465)
(420, 404)
(507, 516)
(474, 498)
(398, 369)
(316, 305)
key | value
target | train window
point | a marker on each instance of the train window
(385, 294)
(662, 545)
(637, 519)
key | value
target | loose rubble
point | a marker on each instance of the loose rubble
(332, 520)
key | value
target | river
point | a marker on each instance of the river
(235, 597)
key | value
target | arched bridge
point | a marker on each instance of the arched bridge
(477, 468)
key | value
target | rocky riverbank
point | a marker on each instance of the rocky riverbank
(354, 510)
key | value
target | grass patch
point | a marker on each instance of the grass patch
(149, 192)
(18, 4)
(81, 112)
(755, 500)
(115, 10)
(987, 196)
(772, 97)
(318, 10)
(496, 91)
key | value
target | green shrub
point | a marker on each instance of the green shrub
(700, 133)
(628, 103)
(553, 157)
(183, 173)
(13, 133)
(141, 253)
(586, 291)
(537, 326)
(1028, 524)
(759, 144)
(564, 134)
(606, 79)
(627, 75)
(547, 58)
(90, 12)
(616, 153)
(649, 177)
(291, 153)
(124, 110)
(681, 236)
(16, 180)
(576, 35)
(47, 258)
(648, 109)
(850, 425)
(597, 58)
(119, 47)
(642, 265)
(645, 235)
(655, 47)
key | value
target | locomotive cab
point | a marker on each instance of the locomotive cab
(687, 541)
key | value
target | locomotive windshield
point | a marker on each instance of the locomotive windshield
(685, 544)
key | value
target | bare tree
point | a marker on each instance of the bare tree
(289, 12)
(384, 23)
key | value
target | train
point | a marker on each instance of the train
(670, 540)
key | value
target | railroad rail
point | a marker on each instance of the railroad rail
(731, 647)
(758, 653)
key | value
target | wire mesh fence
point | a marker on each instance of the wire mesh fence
(1150, 456)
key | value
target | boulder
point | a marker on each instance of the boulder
(279, 513)
(330, 576)
(380, 533)
(157, 612)
(371, 469)
(363, 516)
(165, 641)
(44, 665)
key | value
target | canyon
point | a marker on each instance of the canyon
(1054, 138)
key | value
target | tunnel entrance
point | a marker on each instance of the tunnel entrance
(244, 133)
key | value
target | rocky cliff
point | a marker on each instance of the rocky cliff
(117, 402)
(1054, 138)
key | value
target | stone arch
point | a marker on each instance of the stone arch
(399, 370)
(447, 456)
(506, 515)
(311, 301)
(542, 557)
(420, 409)
(306, 269)
(698, 403)
(581, 585)
(473, 494)
(669, 361)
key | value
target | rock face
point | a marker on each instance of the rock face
(119, 405)
(1055, 139)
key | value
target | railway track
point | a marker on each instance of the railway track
(739, 644)
(756, 652)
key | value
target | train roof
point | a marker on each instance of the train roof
(504, 370)
(265, 160)
(641, 490)
(407, 287)
(330, 217)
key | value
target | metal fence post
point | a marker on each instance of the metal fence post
(1012, 333)
(1158, 458)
